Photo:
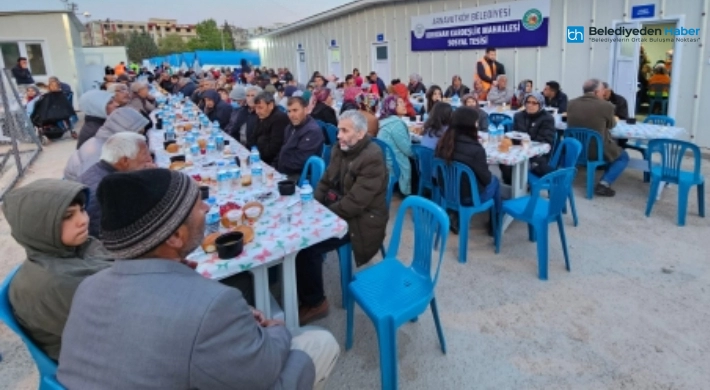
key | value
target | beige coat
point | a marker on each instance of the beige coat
(590, 112)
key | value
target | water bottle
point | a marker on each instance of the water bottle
(195, 151)
(211, 149)
(254, 156)
(215, 125)
(306, 194)
(223, 180)
(212, 217)
(256, 172)
(170, 133)
(219, 142)
(234, 174)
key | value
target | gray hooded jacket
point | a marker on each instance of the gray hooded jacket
(123, 119)
(43, 288)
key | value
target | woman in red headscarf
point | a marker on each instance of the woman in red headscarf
(402, 92)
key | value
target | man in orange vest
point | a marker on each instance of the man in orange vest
(487, 70)
(120, 69)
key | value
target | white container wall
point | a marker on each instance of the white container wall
(569, 64)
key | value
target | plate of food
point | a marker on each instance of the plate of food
(517, 135)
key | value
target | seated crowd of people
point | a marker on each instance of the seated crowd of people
(118, 229)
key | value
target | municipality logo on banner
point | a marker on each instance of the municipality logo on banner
(521, 23)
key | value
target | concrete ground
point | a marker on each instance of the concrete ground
(634, 312)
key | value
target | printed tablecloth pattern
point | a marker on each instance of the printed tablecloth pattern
(285, 227)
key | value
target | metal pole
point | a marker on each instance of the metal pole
(221, 35)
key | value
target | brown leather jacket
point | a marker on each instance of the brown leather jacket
(360, 175)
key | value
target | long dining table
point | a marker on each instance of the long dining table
(285, 227)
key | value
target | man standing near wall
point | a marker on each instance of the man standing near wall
(487, 70)
(21, 72)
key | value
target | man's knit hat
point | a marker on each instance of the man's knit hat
(140, 210)
(238, 93)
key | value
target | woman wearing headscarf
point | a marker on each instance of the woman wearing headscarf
(535, 121)
(96, 106)
(415, 84)
(323, 109)
(367, 104)
(141, 100)
(524, 87)
(394, 133)
(123, 119)
(350, 99)
(401, 91)
(48, 219)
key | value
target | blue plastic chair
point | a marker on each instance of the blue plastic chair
(496, 118)
(424, 161)
(539, 213)
(507, 125)
(661, 120)
(585, 137)
(46, 366)
(313, 171)
(391, 165)
(332, 133)
(449, 182)
(669, 171)
(566, 156)
(642, 146)
(392, 294)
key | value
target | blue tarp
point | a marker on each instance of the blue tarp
(188, 59)
(227, 58)
(174, 60)
(211, 58)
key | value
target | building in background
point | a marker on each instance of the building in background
(104, 32)
(50, 40)
(440, 39)
(241, 37)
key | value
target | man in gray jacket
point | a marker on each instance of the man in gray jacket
(152, 322)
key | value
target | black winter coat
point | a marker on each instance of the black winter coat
(269, 135)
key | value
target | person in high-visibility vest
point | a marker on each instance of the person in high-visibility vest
(487, 69)
(120, 68)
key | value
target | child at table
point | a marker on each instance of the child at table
(460, 144)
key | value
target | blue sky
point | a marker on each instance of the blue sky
(243, 13)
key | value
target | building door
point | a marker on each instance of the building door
(302, 67)
(381, 61)
(625, 67)
(334, 62)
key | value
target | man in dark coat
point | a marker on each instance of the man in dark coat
(216, 109)
(354, 187)
(21, 72)
(591, 111)
(303, 138)
(554, 97)
(269, 134)
(243, 121)
(621, 107)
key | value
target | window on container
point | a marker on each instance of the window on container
(35, 58)
(10, 53)
(381, 53)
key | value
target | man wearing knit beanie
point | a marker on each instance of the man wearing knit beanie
(238, 95)
(152, 319)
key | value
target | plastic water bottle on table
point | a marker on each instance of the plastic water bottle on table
(306, 192)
